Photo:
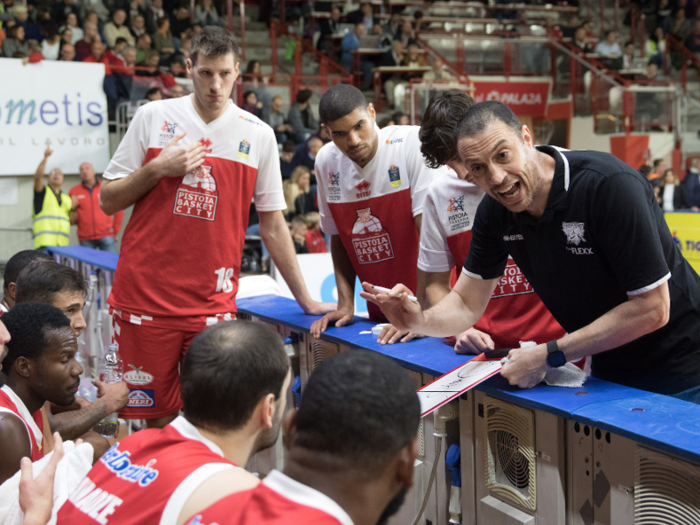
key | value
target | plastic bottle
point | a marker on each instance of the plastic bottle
(110, 370)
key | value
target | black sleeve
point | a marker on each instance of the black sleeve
(487, 256)
(39, 200)
(627, 230)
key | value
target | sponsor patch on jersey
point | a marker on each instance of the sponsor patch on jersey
(334, 194)
(458, 217)
(141, 398)
(394, 176)
(333, 179)
(197, 194)
(250, 120)
(244, 149)
(370, 239)
(394, 141)
(168, 132)
(206, 143)
(169, 127)
(363, 190)
(137, 376)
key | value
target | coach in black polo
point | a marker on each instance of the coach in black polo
(587, 233)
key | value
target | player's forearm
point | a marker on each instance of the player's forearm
(275, 235)
(626, 322)
(73, 424)
(117, 195)
(344, 274)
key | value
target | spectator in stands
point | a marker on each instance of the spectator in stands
(67, 53)
(115, 53)
(693, 40)
(691, 183)
(315, 242)
(99, 56)
(364, 15)
(299, 182)
(408, 34)
(678, 26)
(655, 175)
(581, 40)
(136, 8)
(609, 47)
(253, 72)
(663, 11)
(393, 26)
(306, 155)
(287, 159)
(298, 230)
(149, 65)
(206, 14)
(61, 10)
(628, 56)
(117, 28)
(438, 72)
(15, 43)
(95, 11)
(180, 22)
(138, 26)
(95, 229)
(83, 48)
(672, 193)
(655, 47)
(13, 268)
(143, 44)
(301, 118)
(154, 13)
(328, 27)
(386, 122)
(177, 91)
(568, 30)
(21, 18)
(306, 200)
(350, 44)
(277, 121)
(178, 66)
(72, 24)
(154, 94)
(163, 39)
(251, 104)
(51, 207)
(66, 36)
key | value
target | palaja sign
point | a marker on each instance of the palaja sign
(524, 98)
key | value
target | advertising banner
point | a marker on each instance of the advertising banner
(524, 98)
(685, 228)
(57, 104)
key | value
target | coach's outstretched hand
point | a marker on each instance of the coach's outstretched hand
(341, 318)
(402, 313)
(176, 160)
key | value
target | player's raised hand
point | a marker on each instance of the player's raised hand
(401, 312)
(176, 160)
(341, 318)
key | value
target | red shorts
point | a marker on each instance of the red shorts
(152, 357)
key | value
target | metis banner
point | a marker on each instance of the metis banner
(527, 98)
(57, 104)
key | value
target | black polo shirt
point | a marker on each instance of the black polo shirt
(601, 238)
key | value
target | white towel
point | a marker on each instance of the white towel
(74, 466)
(569, 376)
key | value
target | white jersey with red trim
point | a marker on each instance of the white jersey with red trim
(181, 251)
(515, 312)
(146, 477)
(372, 209)
(278, 500)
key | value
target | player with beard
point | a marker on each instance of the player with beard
(40, 366)
(234, 380)
(350, 452)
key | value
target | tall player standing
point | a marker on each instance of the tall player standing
(191, 166)
(371, 189)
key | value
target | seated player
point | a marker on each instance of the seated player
(40, 366)
(14, 266)
(234, 380)
(515, 313)
(48, 282)
(351, 449)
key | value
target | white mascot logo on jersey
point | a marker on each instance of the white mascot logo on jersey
(371, 241)
(574, 232)
(197, 194)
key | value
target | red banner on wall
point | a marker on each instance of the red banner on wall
(524, 98)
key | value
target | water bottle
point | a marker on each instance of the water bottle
(110, 370)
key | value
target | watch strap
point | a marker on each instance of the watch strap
(555, 357)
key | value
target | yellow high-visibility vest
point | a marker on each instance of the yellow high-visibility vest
(52, 224)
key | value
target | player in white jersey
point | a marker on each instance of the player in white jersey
(371, 189)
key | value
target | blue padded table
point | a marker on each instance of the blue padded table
(98, 258)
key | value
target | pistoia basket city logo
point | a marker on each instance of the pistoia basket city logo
(371, 241)
(574, 232)
(197, 194)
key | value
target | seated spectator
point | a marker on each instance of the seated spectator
(315, 242)
(15, 43)
(301, 118)
(678, 26)
(609, 47)
(413, 58)
(393, 58)
(235, 377)
(35, 55)
(66, 37)
(408, 34)
(286, 161)
(327, 28)
(672, 193)
(306, 155)
(67, 53)
(138, 26)
(581, 40)
(292, 188)
(154, 94)
(693, 40)
(305, 202)
(628, 56)
(663, 11)
(13, 268)
(654, 175)
(251, 104)
(185, 45)
(655, 47)
(386, 122)
(99, 56)
(149, 66)
(438, 73)
(298, 230)
(691, 183)
(61, 9)
(116, 28)
(178, 66)
(569, 29)
(114, 54)
(181, 21)
(253, 72)
(177, 91)
(83, 48)
(163, 39)
(393, 26)
(364, 15)
(400, 119)
(154, 13)
(385, 39)
(72, 24)
(277, 121)
(350, 43)
(143, 44)
(136, 8)
(206, 14)
(351, 449)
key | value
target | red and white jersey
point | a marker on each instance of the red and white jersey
(181, 251)
(146, 477)
(278, 500)
(34, 423)
(372, 208)
(515, 313)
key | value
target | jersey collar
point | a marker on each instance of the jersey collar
(25, 415)
(305, 495)
(189, 431)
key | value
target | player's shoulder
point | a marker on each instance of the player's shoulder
(330, 153)
(391, 135)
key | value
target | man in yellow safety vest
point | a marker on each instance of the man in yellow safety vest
(52, 208)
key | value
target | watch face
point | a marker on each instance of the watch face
(556, 359)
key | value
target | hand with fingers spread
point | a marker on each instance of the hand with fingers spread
(390, 334)
(176, 160)
(36, 495)
(341, 317)
(473, 341)
(401, 312)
